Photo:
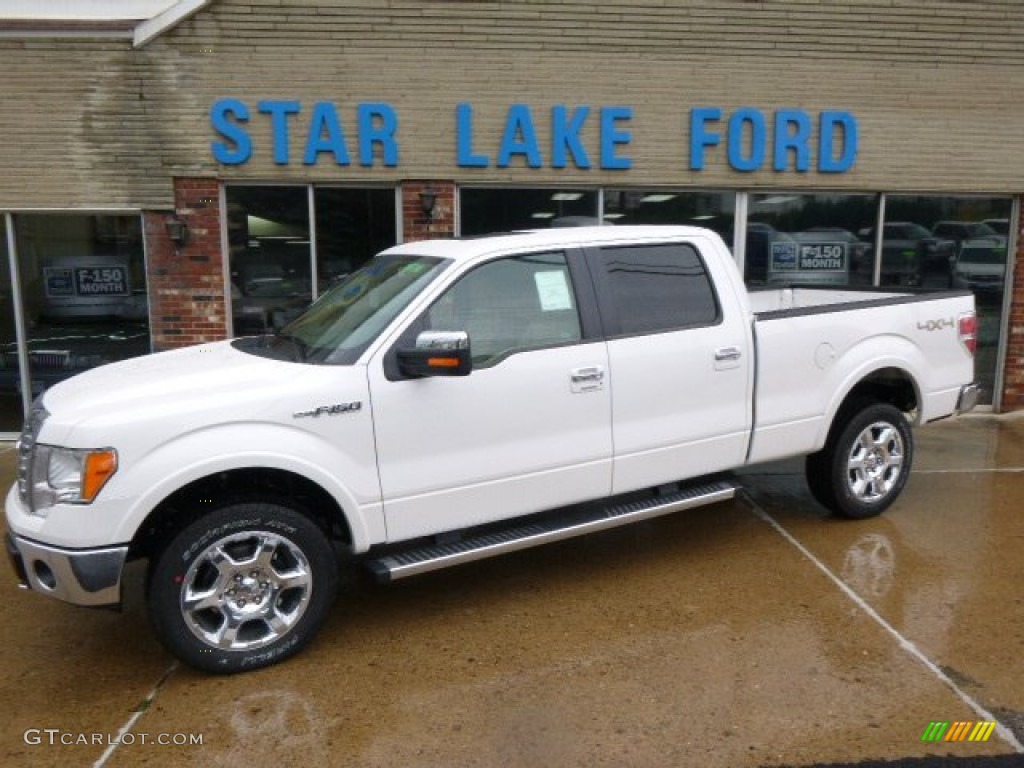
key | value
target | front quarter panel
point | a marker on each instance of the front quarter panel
(140, 485)
(348, 474)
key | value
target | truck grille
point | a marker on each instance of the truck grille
(49, 359)
(27, 449)
(40, 360)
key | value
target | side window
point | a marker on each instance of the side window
(659, 287)
(510, 304)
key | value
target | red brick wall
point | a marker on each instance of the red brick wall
(415, 224)
(186, 285)
(1013, 382)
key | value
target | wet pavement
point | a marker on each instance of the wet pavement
(753, 633)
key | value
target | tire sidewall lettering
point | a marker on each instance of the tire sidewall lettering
(193, 541)
(226, 529)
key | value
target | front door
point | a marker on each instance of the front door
(528, 429)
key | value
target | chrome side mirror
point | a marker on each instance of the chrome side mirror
(437, 353)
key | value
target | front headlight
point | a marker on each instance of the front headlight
(69, 475)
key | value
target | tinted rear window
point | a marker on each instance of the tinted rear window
(659, 287)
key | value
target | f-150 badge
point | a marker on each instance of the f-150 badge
(331, 410)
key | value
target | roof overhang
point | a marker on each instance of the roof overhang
(140, 21)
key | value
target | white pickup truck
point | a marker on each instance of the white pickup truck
(458, 399)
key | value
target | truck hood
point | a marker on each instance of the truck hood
(190, 388)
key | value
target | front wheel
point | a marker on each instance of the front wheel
(865, 462)
(242, 587)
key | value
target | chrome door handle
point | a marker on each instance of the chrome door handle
(588, 379)
(727, 353)
(587, 374)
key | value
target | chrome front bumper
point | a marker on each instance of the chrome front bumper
(84, 577)
(968, 398)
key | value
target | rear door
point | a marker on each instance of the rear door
(529, 428)
(679, 359)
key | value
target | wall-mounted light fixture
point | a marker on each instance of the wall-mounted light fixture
(428, 201)
(177, 230)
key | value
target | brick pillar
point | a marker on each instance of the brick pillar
(415, 224)
(186, 284)
(1013, 379)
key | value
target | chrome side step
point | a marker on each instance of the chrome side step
(433, 557)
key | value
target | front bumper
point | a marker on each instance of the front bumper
(84, 576)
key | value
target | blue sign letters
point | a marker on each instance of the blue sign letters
(519, 138)
(748, 139)
(377, 125)
(239, 150)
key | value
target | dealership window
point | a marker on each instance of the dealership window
(484, 210)
(810, 238)
(940, 242)
(269, 256)
(275, 270)
(711, 209)
(351, 226)
(83, 298)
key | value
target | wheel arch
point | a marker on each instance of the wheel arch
(892, 384)
(279, 463)
(249, 483)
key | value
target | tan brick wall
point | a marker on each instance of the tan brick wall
(934, 85)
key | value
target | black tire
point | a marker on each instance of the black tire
(243, 587)
(865, 462)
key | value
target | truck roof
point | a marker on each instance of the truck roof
(472, 247)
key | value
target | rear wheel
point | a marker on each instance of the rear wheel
(242, 587)
(865, 462)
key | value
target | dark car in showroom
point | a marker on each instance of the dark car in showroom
(911, 253)
(58, 350)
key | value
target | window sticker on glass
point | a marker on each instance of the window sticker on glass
(553, 290)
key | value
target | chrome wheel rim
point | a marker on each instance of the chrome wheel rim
(875, 463)
(246, 591)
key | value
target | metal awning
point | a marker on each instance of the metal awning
(137, 20)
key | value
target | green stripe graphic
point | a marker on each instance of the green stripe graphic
(935, 731)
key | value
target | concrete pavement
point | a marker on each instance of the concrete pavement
(756, 632)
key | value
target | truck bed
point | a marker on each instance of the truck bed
(813, 345)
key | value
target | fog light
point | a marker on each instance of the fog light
(44, 574)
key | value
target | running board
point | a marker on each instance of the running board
(433, 557)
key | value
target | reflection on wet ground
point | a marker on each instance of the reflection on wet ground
(706, 638)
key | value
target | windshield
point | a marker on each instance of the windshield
(979, 230)
(339, 326)
(906, 232)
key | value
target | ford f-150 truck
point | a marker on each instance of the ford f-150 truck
(457, 399)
